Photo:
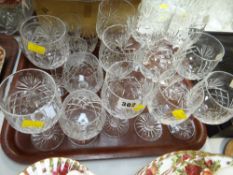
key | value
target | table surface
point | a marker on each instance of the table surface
(111, 166)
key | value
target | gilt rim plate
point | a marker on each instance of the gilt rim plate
(56, 166)
(188, 163)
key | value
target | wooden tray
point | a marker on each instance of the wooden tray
(19, 148)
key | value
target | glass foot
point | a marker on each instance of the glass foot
(184, 130)
(82, 142)
(115, 127)
(147, 127)
(48, 140)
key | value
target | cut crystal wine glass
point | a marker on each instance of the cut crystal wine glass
(170, 104)
(201, 58)
(30, 103)
(123, 92)
(82, 117)
(44, 41)
(117, 45)
(217, 104)
(82, 71)
(113, 12)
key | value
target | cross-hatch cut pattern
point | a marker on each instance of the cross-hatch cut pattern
(221, 96)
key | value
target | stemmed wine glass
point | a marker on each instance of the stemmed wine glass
(30, 103)
(44, 39)
(171, 104)
(217, 104)
(195, 62)
(82, 71)
(123, 94)
(117, 45)
(113, 12)
(82, 117)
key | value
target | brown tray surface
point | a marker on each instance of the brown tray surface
(11, 47)
(18, 146)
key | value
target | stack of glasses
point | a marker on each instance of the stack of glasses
(147, 59)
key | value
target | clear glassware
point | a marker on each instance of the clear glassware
(147, 127)
(151, 20)
(117, 45)
(82, 71)
(44, 41)
(82, 117)
(12, 14)
(30, 103)
(123, 93)
(202, 57)
(157, 60)
(217, 104)
(112, 12)
(77, 44)
(170, 104)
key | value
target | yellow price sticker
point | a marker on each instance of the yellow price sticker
(32, 124)
(164, 6)
(36, 48)
(179, 114)
(138, 107)
(231, 84)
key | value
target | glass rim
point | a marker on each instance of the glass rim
(25, 70)
(110, 48)
(80, 91)
(208, 92)
(107, 76)
(98, 68)
(100, 11)
(216, 40)
(22, 34)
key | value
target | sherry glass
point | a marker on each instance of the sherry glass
(123, 94)
(30, 103)
(170, 104)
(112, 12)
(202, 57)
(82, 71)
(82, 117)
(217, 104)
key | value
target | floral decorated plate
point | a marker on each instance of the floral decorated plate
(189, 163)
(56, 166)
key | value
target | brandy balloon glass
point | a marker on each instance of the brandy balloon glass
(31, 105)
(82, 117)
(82, 71)
(217, 104)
